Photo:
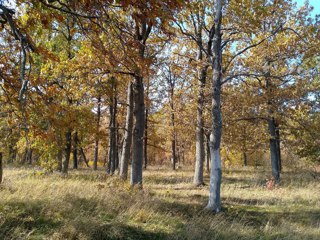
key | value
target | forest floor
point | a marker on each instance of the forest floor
(92, 205)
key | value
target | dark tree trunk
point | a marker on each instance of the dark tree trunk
(146, 140)
(200, 150)
(67, 152)
(214, 203)
(12, 154)
(173, 137)
(274, 150)
(145, 155)
(138, 131)
(112, 161)
(142, 32)
(245, 159)
(1, 168)
(208, 153)
(96, 147)
(126, 147)
(75, 150)
(116, 147)
(59, 159)
(29, 156)
(60, 152)
(278, 147)
(84, 157)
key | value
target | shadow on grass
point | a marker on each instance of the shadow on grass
(115, 231)
(24, 217)
(167, 180)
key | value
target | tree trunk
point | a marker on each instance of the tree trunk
(138, 131)
(208, 153)
(278, 147)
(59, 159)
(96, 146)
(274, 150)
(67, 152)
(1, 168)
(113, 132)
(116, 147)
(245, 159)
(84, 157)
(146, 140)
(75, 150)
(214, 203)
(126, 147)
(60, 151)
(200, 152)
(12, 153)
(173, 138)
(29, 156)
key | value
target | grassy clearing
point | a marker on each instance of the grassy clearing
(89, 205)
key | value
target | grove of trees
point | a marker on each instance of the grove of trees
(121, 85)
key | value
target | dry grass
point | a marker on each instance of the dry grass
(89, 205)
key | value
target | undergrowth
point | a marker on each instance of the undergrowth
(92, 205)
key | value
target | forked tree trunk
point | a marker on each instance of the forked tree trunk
(138, 131)
(96, 146)
(214, 203)
(126, 147)
(67, 152)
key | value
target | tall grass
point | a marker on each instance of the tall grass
(89, 205)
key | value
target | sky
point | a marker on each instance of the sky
(314, 3)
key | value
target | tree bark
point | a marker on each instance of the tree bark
(274, 154)
(126, 147)
(274, 150)
(208, 153)
(112, 131)
(142, 32)
(60, 151)
(67, 151)
(96, 146)
(200, 150)
(173, 142)
(1, 168)
(214, 203)
(245, 159)
(138, 131)
(75, 150)
(278, 147)
(12, 153)
(84, 157)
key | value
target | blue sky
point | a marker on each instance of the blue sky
(314, 3)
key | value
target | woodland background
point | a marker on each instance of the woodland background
(117, 90)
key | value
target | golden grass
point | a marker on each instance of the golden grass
(92, 205)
